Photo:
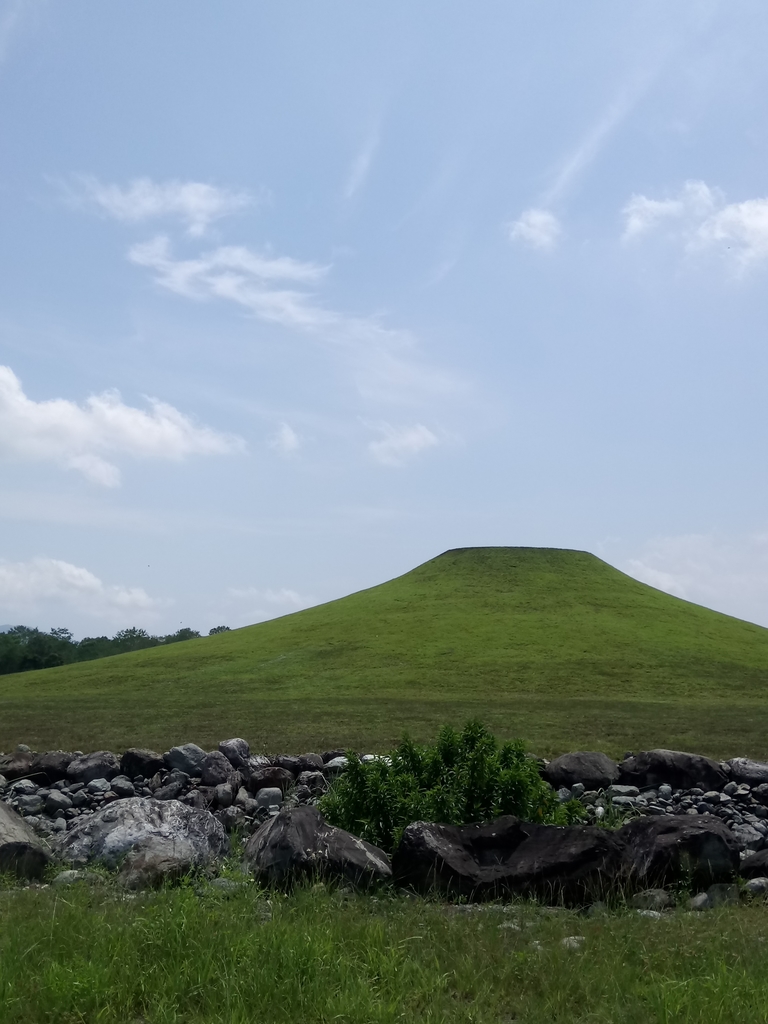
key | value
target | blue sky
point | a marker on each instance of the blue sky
(295, 297)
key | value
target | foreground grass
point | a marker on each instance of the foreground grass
(185, 955)
(554, 646)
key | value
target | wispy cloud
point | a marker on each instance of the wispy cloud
(196, 203)
(275, 289)
(729, 574)
(285, 441)
(538, 229)
(592, 142)
(398, 445)
(79, 436)
(361, 165)
(26, 584)
(700, 218)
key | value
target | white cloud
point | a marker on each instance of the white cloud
(195, 203)
(399, 444)
(700, 218)
(26, 584)
(540, 229)
(274, 289)
(286, 440)
(284, 596)
(361, 165)
(79, 436)
(728, 574)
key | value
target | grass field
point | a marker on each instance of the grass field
(191, 955)
(551, 645)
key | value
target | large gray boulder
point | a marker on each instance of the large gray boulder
(21, 852)
(595, 770)
(186, 758)
(138, 761)
(679, 847)
(151, 840)
(237, 751)
(102, 764)
(743, 769)
(571, 864)
(216, 769)
(651, 768)
(298, 842)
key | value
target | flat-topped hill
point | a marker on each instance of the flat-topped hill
(552, 645)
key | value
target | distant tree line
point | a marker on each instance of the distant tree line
(23, 648)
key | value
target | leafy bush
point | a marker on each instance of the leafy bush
(463, 777)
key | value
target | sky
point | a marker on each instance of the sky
(294, 297)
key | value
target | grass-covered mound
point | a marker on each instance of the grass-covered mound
(553, 645)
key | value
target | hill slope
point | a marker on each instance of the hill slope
(553, 645)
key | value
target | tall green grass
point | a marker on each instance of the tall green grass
(96, 956)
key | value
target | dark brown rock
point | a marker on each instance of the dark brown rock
(21, 852)
(288, 763)
(216, 769)
(310, 763)
(651, 768)
(595, 770)
(299, 843)
(755, 866)
(17, 765)
(573, 864)
(138, 761)
(51, 766)
(269, 777)
(102, 764)
(678, 847)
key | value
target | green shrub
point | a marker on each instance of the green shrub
(462, 778)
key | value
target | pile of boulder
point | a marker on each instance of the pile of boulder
(56, 789)
(669, 782)
(153, 817)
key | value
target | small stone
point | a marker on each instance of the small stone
(227, 885)
(59, 824)
(30, 805)
(96, 786)
(335, 765)
(665, 791)
(723, 894)
(654, 915)
(269, 798)
(123, 786)
(652, 899)
(237, 751)
(56, 803)
(223, 795)
(578, 789)
(756, 886)
(731, 788)
(24, 787)
(712, 797)
(699, 902)
(187, 758)
(510, 926)
(563, 794)
(572, 942)
(623, 801)
(614, 791)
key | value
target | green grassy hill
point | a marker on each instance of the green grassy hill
(555, 646)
